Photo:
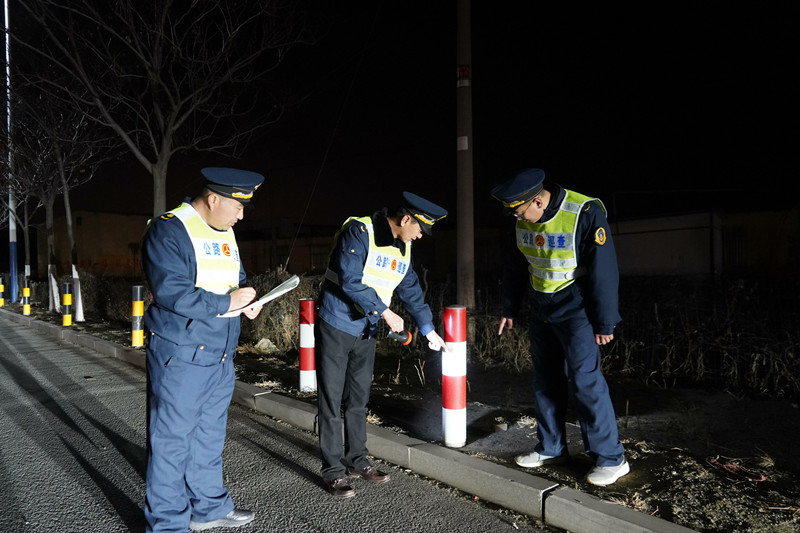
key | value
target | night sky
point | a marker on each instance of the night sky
(654, 109)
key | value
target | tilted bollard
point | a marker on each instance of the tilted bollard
(66, 305)
(454, 377)
(26, 298)
(137, 316)
(308, 372)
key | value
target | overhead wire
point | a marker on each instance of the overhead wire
(333, 135)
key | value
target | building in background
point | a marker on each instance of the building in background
(753, 243)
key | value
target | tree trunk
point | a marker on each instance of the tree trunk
(159, 171)
(77, 302)
(52, 275)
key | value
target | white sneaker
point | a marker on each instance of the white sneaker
(533, 459)
(236, 518)
(606, 475)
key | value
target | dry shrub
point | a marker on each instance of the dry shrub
(738, 334)
(279, 320)
(108, 298)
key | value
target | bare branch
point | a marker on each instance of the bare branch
(166, 76)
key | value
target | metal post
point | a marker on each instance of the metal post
(137, 316)
(26, 298)
(66, 305)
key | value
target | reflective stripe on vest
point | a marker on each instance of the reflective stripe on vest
(385, 266)
(550, 248)
(216, 252)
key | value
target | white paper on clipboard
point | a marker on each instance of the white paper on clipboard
(280, 290)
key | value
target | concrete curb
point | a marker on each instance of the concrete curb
(555, 505)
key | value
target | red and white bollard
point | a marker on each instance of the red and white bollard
(454, 377)
(308, 372)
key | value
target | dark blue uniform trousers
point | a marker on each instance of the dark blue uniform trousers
(565, 354)
(189, 392)
(344, 366)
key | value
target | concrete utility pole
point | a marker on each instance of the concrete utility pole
(12, 223)
(465, 240)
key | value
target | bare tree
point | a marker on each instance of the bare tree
(79, 148)
(55, 148)
(35, 170)
(166, 75)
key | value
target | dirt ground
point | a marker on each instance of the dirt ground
(678, 442)
(694, 453)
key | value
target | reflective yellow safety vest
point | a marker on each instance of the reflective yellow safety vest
(550, 247)
(216, 252)
(385, 266)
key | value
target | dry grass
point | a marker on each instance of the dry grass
(738, 335)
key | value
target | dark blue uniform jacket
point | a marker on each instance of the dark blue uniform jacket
(337, 305)
(180, 312)
(596, 293)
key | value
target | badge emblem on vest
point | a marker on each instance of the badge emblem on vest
(226, 250)
(539, 240)
(600, 236)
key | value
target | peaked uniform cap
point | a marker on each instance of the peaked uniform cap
(232, 183)
(521, 188)
(425, 212)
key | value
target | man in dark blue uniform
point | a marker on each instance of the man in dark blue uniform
(562, 250)
(192, 264)
(370, 261)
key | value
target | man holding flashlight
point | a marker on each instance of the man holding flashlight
(370, 261)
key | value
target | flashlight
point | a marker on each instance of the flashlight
(404, 337)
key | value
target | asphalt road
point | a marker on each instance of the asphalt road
(72, 458)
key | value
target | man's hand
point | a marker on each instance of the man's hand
(603, 339)
(241, 297)
(393, 320)
(435, 342)
(252, 313)
(505, 322)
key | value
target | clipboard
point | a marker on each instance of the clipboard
(280, 290)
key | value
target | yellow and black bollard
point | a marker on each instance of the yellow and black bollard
(26, 298)
(137, 316)
(66, 305)
(2, 293)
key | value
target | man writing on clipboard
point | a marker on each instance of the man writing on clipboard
(192, 264)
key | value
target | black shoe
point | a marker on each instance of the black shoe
(339, 487)
(236, 518)
(370, 473)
